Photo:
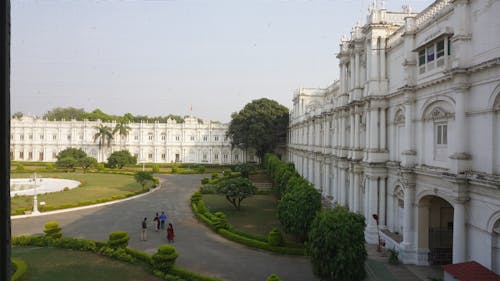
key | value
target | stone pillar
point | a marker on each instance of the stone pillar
(357, 70)
(351, 190)
(374, 140)
(382, 205)
(342, 186)
(356, 130)
(459, 234)
(373, 62)
(352, 134)
(408, 223)
(460, 157)
(371, 234)
(409, 154)
(382, 59)
(382, 130)
(356, 192)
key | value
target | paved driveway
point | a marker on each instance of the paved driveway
(200, 249)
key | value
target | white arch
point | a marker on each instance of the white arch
(445, 102)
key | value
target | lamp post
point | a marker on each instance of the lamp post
(35, 178)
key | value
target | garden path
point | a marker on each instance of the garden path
(199, 248)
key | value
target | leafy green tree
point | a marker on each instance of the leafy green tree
(18, 115)
(120, 159)
(245, 169)
(336, 245)
(75, 153)
(103, 136)
(262, 125)
(143, 177)
(297, 209)
(67, 113)
(235, 190)
(68, 163)
(122, 129)
(87, 162)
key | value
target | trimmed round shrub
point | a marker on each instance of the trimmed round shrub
(220, 221)
(275, 238)
(118, 239)
(100, 166)
(164, 258)
(52, 229)
(205, 180)
(215, 176)
(273, 277)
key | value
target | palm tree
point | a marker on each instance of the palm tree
(122, 129)
(104, 135)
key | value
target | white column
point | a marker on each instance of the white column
(356, 130)
(383, 133)
(374, 141)
(374, 59)
(383, 200)
(408, 224)
(351, 190)
(459, 235)
(356, 192)
(342, 187)
(373, 200)
(356, 69)
(460, 136)
(352, 131)
(382, 59)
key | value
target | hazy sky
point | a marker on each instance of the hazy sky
(165, 57)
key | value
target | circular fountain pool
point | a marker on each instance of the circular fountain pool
(44, 185)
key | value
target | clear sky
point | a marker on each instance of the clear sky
(165, 57)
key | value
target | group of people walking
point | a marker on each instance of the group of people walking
(158, 224)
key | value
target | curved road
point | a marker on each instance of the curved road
(199, 248)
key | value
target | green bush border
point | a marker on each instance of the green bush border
(21, 268)
(250, 240)
(138, 257)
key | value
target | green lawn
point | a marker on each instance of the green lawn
(94, 186)
(48, 264)
(258, 214)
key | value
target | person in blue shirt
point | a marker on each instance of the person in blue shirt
(163, 218)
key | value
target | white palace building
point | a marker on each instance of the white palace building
(193, 141)
(411, 131)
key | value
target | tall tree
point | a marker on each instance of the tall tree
(235, 190)
(336, 245)
(103, 136)
(143, 178)
(122, 129)
(75, 153)
(66, 113)
(262, 125)
(120, 159)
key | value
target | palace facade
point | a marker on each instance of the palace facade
(193, 141)
(411, 131)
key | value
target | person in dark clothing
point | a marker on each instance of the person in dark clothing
(144, 234)
(156, 222)
(170, 233)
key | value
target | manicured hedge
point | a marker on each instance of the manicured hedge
(191, 276)
(21, 269)
(251, 240)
